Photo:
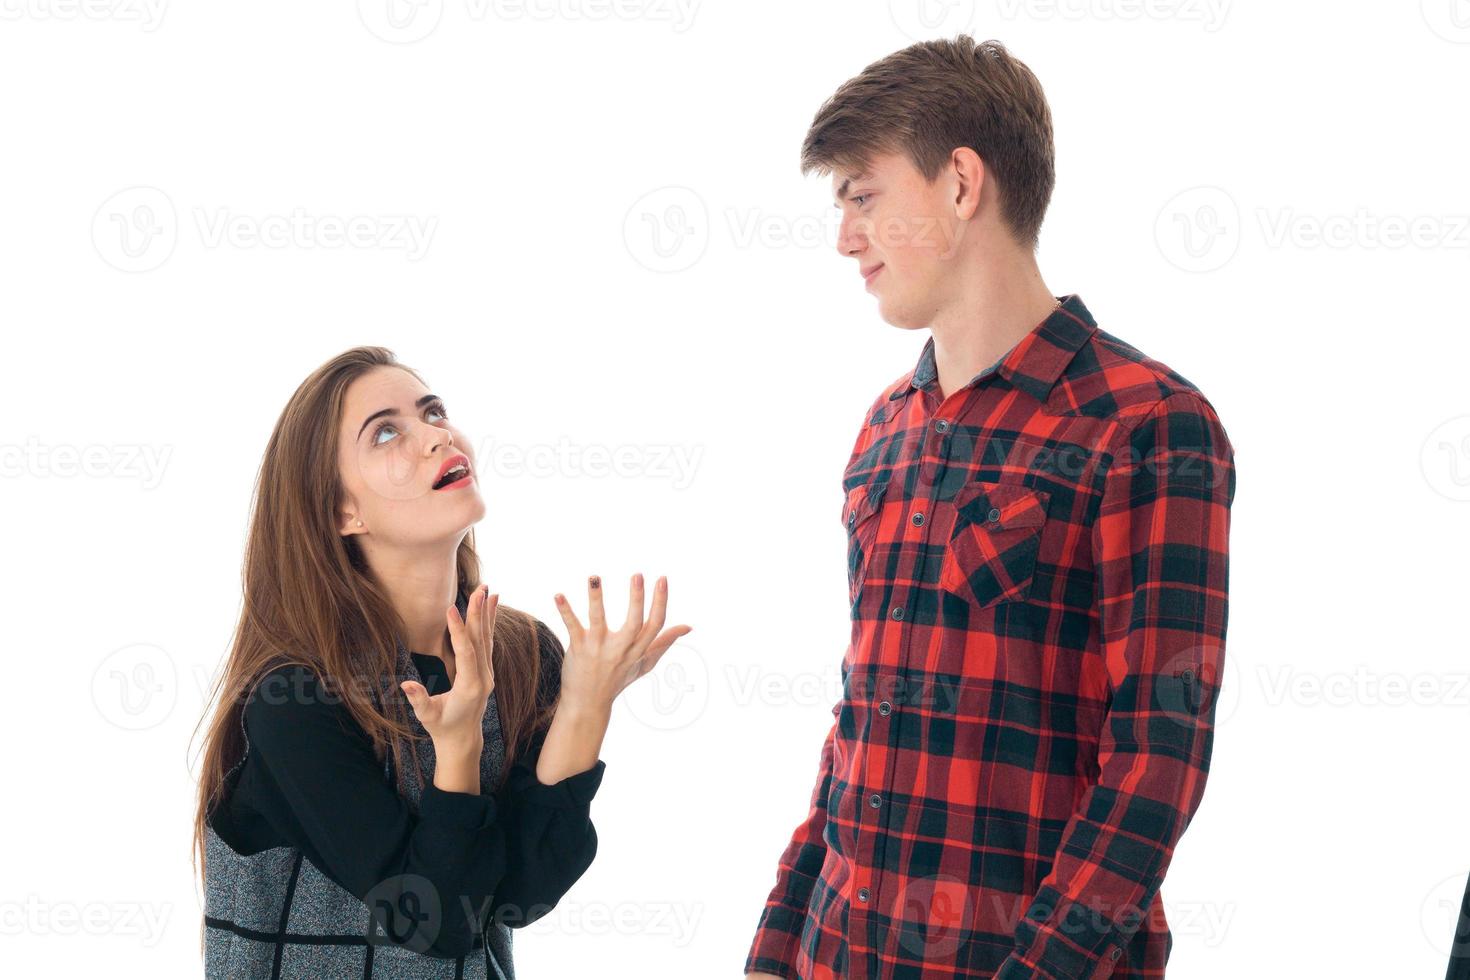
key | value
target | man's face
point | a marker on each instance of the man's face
(903, 233)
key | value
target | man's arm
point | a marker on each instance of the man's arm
(1160, 546)
(779, 930)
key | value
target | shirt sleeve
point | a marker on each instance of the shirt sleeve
(549, 825)
(1160, 544)
(778, 931)
(322, 789)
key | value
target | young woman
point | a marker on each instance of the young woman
(344, 833)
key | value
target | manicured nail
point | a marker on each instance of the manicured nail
(595, 582)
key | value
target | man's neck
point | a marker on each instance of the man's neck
(1000, 301)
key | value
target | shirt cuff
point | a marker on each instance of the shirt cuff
(572, 792)
(466, 811)
(777, 942)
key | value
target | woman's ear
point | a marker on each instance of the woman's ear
(348, 522)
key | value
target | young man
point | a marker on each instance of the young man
(1038, 519)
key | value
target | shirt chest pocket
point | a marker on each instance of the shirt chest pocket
(992, 550)
(860, 517)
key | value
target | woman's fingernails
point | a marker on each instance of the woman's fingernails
(595, 582)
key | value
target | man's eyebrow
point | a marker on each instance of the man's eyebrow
(393, 411)
(842, 190)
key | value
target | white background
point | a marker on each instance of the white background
(1235, 182)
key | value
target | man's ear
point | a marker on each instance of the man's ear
(968, 173)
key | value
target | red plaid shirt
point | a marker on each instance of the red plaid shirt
(1037, 568)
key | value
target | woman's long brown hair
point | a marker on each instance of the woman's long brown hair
(310, 599)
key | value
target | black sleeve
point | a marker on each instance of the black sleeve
(550, 826)
(325, 793)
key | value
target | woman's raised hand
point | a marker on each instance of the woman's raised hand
(454, 717)
(600, 663)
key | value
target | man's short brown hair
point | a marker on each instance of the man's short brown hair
(932, 97)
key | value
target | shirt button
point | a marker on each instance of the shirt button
(919, 519)
(851, 518)
(875, 801)
(884, 708)
(898, 612)
(1115, 952)
(941, 425)
(994, 515)
(862, 894)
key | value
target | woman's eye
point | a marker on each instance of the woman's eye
(386, 426)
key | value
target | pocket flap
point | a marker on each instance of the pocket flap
(1001, 505)
(861, 501)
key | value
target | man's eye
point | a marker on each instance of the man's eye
(861, 198)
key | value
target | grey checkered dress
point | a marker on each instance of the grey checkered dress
(274, 914)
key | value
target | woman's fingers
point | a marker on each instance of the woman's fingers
(596, 619)
(655, 616)
(634, 621)
(573, 624)
(459, 639)
(418, 699)
(487, 646)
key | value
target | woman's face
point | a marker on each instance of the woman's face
(395, 441)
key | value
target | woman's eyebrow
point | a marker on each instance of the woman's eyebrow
(393, 411)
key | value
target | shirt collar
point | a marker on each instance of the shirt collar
(1036, 361)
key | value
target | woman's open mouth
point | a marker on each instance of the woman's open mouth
(456, 475)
